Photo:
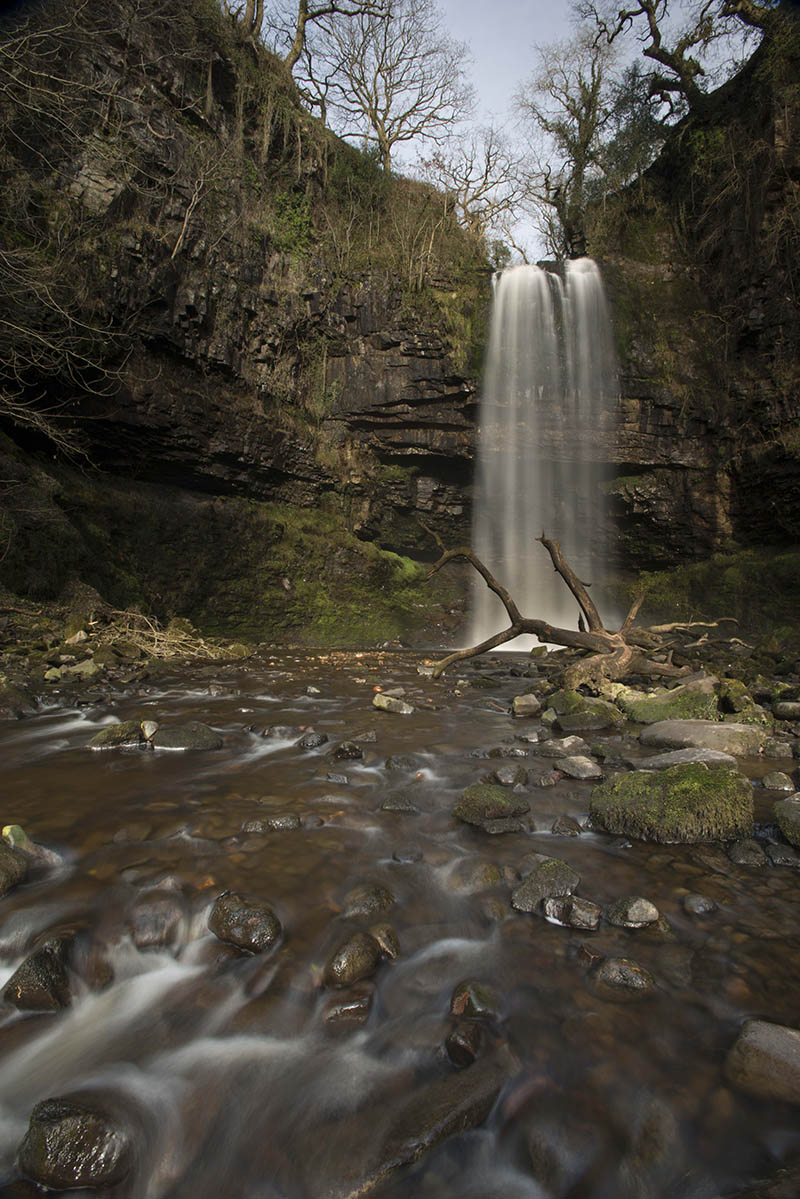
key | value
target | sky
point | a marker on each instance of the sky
(501, 35)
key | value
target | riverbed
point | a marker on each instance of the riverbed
(250, 1076)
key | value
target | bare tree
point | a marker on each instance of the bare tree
(394, 78)
(481, 176)
(566, 107)
(290, 22)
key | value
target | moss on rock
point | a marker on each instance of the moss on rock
(679, 704)
(487, 801)
(683, 803)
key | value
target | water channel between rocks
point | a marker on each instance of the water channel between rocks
(234, 1072)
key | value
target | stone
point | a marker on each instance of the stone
(13, 868)
(158, 920)
(463, 1043)
(684, 757)
(782, 855)
(246, 923)
(350, 1008)
(787, 709)
(632, 911)
(356, 958)
(566, 826)
(787, 814)
(403, 762)
(777, 780)
(312, 740)
(741, 740)
(687, 702)
(561, 747)
(680, 804)
(70, 1144)
(547, 877)
(191, 735)
(347, 751)
(473, 1000)
(747, 852)
(486, 801)
(390, 703)
(765, 1061)
(341, 780)
(87, 669)
(579, 767)
(622, 979)
(387, 940)
(367, 899)
(399, 801)
(525, 705)
(41, 982)
(149, 729)
(576, 711)
(572, 911)
(699, 905)
(510, 775)
(126, 732)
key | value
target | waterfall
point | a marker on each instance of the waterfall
(546, 418)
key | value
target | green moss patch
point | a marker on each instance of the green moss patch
(668, 705)
(681, 804)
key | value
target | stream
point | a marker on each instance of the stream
(247, 1076)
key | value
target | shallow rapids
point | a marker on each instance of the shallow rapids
(232, 1072)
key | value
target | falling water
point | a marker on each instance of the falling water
(547, 413)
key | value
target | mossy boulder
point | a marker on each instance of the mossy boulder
(13, 868)
(683, 803)
(126, 732)
(488, 801)
(787, 814)
(545, 878)
(576, 711)
(741, 740)
(678, 704)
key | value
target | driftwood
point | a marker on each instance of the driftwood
(612, 656)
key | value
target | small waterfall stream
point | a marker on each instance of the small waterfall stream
(547, 411)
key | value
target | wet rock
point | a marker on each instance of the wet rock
(622, 978)
(525, 705)
(70, 1144)
(684, 757)
(191, 735)
(402, 762)
(484, 802)
(699, 905)
(399, 801)
(390, 703)
(543, 778)
(312, 740)
(765, 1061)
(782, 855)
(472, 876)
(544, 878)
(127, 732)
(282, 822)
(632, 911)
(472, 1000)
(463, 1043)
(565, 826)
(680, 804)
(787, 814)
(572, 911)
(787, 709)
(36, 855)
(777, 780)
(561, 747)
(158, 920)
(688, 702)
(356, 958)
(347, 751)
(507, 751)
(579, 767)
(741, 740)
(506, 824)
(367, 899)
(13, 868)
(510, 776)
(747, 852)
(246, 923)
(341, 780)
(350, 1008)
(387, 940)
(41, 982)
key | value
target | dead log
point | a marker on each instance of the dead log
(612, 656)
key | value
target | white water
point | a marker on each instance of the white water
(547, 411)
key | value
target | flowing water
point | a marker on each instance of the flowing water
(224, 1065)
(547, 410)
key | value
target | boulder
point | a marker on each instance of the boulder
(41, 982)
(579, 767)
(525, 705)
(748, 852)
(765, 1061)
(575, 711)
(572, 911)
(688, 702)
(560, 747)
(390, 703)
(70, 1144)
(246, 923)
(13, 868)
(787, 814)
(126, 732)
(546, 877)
(741, 740)
(192, 735)
(633, 911)
(682, 803)
(356, 958)
(484, 802)
(684, 757)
